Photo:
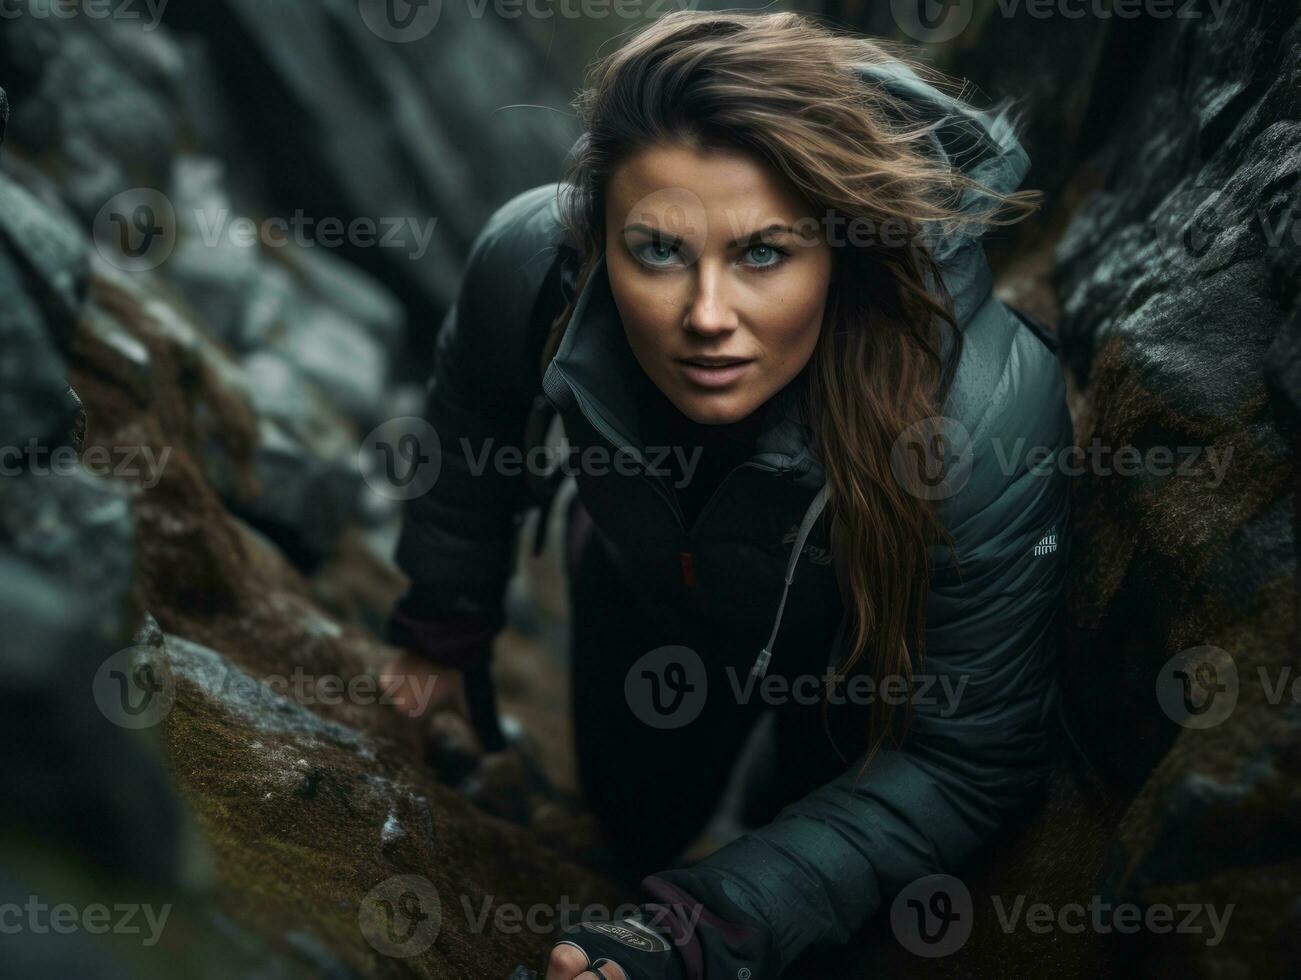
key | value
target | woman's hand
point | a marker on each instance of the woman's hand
(569, 963)
(417, 688)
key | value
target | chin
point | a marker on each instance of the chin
(722, 408)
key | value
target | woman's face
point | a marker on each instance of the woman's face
(714, 257)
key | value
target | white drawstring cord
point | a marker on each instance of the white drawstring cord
(810, 516)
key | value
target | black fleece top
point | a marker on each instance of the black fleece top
(722, 447)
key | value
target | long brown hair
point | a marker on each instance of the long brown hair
(783, 87)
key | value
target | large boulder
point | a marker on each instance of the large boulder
(1168, 263)
(43, 279)
(93, 99)
(451, 143)
(1179, 292)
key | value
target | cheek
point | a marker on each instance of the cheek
(646, 306)
(789, 322)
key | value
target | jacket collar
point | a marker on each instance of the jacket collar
(596, 363)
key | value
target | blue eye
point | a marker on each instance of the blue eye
(761, 255)
(656, 254)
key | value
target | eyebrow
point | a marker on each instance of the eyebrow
(760, 234)
(750, 239)
(653, 232)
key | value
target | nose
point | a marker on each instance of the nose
(710, 311)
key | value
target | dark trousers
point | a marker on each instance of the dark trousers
(653, 789)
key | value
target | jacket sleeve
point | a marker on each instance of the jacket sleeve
(815, 875)
(458, 539)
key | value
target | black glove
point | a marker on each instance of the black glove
(635, 943)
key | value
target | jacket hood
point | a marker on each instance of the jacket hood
(983, 146)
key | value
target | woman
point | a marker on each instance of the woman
(761, 295)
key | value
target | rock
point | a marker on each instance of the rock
(250, 373)
(304, 503)
(498, 786)
(283, 394)
(392, 834)
(33, 410)
(92, 96)
(344, 287)
(82, 781)
(218, 274)
(339, 357)
(1172, 313)
(1179, 287)
(303, 862)
(115, 352)
(51, 254)
(54, 521)
(443, 153)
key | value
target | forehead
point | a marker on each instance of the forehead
(733, 188)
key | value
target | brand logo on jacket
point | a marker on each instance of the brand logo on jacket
(633, 934)
(1047, 544)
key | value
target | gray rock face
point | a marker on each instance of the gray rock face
(33, 410)
(1178, 282)
(93, 94)
(250, 370)
(444, 150)
(1174, 311)
(52, 520)
(306, 501)
(52, 251)
(80, 779)
(43, 279)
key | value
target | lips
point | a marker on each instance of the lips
(715, 373)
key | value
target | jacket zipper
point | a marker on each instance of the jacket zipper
(687, 535)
